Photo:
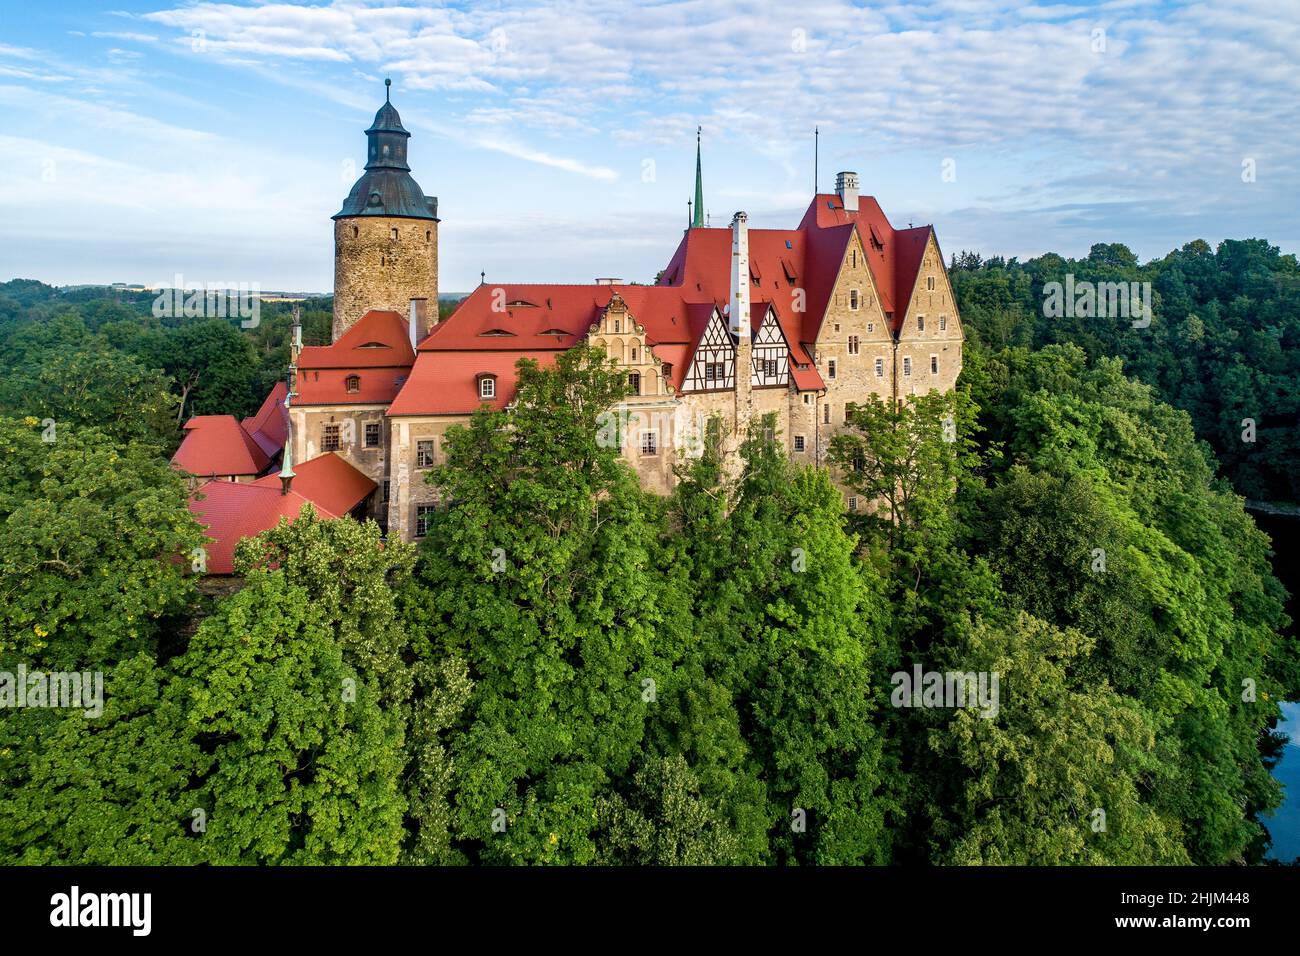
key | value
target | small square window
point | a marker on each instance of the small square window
(353, 384)
(649, 442)
(798, 443)
(424, 453)
(330, 438)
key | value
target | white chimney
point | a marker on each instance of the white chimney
(846, 186)
(738, 311)
(419, 320)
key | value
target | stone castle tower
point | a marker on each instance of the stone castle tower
(386, 234)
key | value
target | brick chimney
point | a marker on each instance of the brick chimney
(846, 187)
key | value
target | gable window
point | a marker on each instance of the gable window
(487, 387)
(352, 383)
(709, 373)
(920, 323)
(424, 453)
(871, 326)
(907, 365)
(769, 367)
(649, 442)
(830, 369)
(634, 382)
(853, 345)
(880, 368)
(934, 365)
(853, 299)
(330, 438)
(372, 435)
(943, 323)
(929, 283)
(423, 518)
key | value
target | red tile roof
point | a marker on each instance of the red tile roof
(446, 382)
(218, 445)
(377, 350)
(269, 427)
(328, 480)
(232, 511)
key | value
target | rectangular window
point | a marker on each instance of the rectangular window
(807, 399)
(943, 323)
(372, 434)
(798, 443)
(708, 371)
(826, 414)
(880, 368)
(871, 326)
(649, 442)
(907, 365)
(423, 516)
(830, 369)
(330, 438)
(853, 345)
(424, 453)
(387, 486)
(769, 368)
(634, 382)
(920, 323)
(487, 388)
(853, 503)
(934, 365)
(853, 299)
(929, 283)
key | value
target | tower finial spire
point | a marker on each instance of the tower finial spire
(698, 219)
(816, 146)
(388, 85)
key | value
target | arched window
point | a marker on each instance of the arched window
(352, 383)
(487, 387)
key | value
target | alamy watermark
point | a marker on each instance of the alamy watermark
(1102, 300)
(80, 690)
(950, 689)
(211, 300)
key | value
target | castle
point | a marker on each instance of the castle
(741, 322)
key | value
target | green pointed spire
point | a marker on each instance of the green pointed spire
(698, 220)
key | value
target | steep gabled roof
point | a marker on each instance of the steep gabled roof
(218, 445)
(894, 255)
(446, 382)
(269, 427)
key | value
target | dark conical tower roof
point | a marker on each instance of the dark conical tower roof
(387, 188)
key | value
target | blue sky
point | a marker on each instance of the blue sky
(215, 140)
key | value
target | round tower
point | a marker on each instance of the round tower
(386, 234)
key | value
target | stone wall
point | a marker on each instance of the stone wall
(382, 263)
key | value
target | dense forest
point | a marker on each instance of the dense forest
(570, 670)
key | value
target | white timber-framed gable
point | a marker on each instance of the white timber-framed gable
(771, 353)
(713, 366)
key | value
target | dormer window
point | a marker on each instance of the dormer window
(352, 383)
(487, 387)
(497, 332)
(373, 345)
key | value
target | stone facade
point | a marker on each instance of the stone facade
(382, 263)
